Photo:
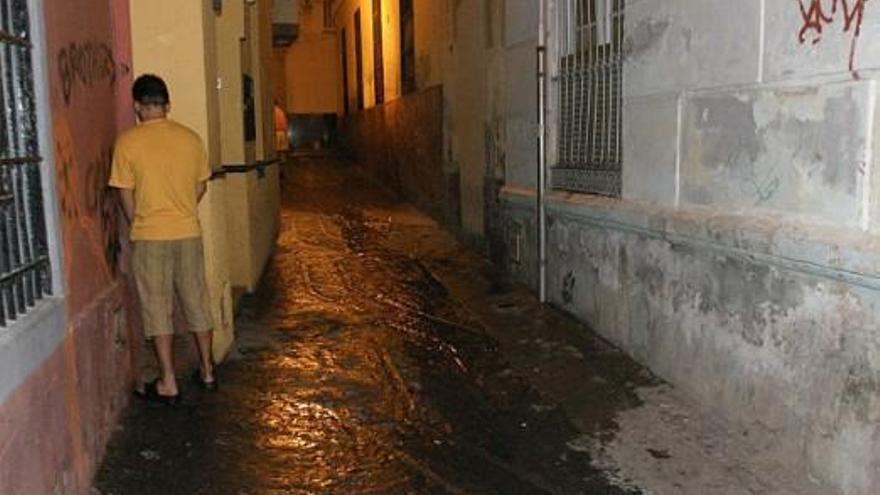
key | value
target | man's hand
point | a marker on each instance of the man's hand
(127, 198)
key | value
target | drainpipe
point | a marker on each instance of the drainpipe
(542, 152)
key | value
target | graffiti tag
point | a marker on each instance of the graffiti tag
(94, 207)
(816, 17)
(86, 65)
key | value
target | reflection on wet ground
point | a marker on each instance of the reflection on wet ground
(360, 373)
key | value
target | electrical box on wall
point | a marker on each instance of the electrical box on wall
(285, 22)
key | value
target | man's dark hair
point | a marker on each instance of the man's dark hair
(150, 89)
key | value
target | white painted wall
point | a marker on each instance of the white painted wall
(520, 90)
(725, 107)
(750, 167)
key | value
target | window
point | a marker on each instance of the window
(378, 60)
(24, 255)
(590, 96)
(407, 47)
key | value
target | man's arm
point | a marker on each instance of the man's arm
(127, 198)
(201, 188)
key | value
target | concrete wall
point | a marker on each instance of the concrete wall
(469, 102)
(311, 68)
(279, 79)
(230, 31)
(253, 202)
(311, 75)
(244, 46)
(475, 107)
(520, 91)
(459, 46)
(432, 39)
(432, 25)
(260, 39)
(401, 143)
(66, 367)
(405, 141)
(740, 262)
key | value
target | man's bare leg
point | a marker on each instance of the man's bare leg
(205, 343)
(167, 384)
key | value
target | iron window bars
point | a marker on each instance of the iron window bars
(24, 254)
(590, 96)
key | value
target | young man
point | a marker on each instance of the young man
(161, 170)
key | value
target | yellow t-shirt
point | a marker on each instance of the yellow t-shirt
(162, 161)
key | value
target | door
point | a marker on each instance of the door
(343, 44)
(359, 58)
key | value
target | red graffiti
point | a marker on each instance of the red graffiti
(816, 17)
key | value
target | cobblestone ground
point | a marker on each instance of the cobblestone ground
(379, 356)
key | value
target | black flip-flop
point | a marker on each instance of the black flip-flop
(209, 386)
(151, 393)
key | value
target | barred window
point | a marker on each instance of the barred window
(24, 256)
(590, 96)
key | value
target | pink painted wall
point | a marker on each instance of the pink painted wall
(87, 79)
(54, 427)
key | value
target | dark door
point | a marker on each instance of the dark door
(407, 47)
(378, 62)
(343, 44)
(359, 58)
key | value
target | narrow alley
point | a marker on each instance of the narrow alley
(380, 356)
(440, 246)
(360, 373)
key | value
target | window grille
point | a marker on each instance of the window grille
(24, 257)
(590, 96)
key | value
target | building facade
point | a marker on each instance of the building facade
(67, 359)
(714, 211)
(421, 100)
(71, 347)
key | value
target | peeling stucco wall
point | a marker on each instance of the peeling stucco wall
(770, 325)
(741, 261)
(793, 150)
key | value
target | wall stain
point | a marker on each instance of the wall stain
(644, 37)
(568, 286)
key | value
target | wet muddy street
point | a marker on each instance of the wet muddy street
(359, 372)
(380, 356)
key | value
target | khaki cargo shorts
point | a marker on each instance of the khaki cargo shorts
(163, 268)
